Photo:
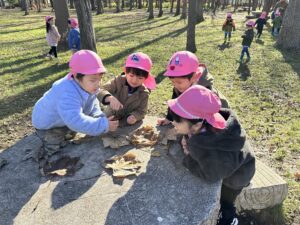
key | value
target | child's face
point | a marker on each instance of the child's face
(182, 127)
(182, 84)
(90, 83)
(134, 80)
(51, 22)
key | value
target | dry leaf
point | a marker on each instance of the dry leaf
(144, 137)
(297, 176)
(115, 142)
(155, 153)
(124, 165)
(61, 172)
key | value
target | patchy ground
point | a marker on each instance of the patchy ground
(265, 93)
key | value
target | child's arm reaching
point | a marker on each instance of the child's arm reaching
(106, 95)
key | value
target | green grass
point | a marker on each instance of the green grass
(264, 93)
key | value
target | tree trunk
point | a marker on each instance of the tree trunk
(105, 3)
(130, 4)
(184, 8)
(289, 36)
(160, 13)
(61, 16)
(139, 4)
(109, 4)
(254, 5)
(100, 9)
(172, 6)
(93, 5)
(87, 34)
(118, 6)
(71, 4)
(190, 41)
(267, 6)
(217, 4)
(249, 7)
(200, 17)
(38, 5)
(122, 4)
(25, 2)
(177, 8)
(151, 15)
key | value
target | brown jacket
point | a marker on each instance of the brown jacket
(135, 104)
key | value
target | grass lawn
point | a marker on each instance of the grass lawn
(265, 93)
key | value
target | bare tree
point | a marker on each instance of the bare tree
(177, 8)
(71, 4)
(150, 8)
(62, 15)
(172, 6)
(160, 13)
(267, 5)
(100, 9)
(184, 8)
(190, 41)
(254, 5)
(139, 4)
(38, 5)
(199, 7)
(130, 4)
(289, 36)
(93, 5)
(87, 34)
(117, 6)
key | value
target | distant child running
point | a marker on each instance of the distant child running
(184, 71)
(74, 35)
(247, 40)
(72, 105)
(127, 95)
(215, 145)
(260, 23)
(277, 23)
(228, 27)
(52, 36)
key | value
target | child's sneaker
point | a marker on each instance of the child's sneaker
(227, 215)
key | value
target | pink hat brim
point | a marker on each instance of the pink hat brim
(150, 82)
(216, 119)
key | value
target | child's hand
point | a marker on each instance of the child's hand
(114, 103)
(113, 124)
(131, 119)
(184, 146)
(163, 121)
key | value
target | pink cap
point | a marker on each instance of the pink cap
(142, 61)
(182, 63)
(47, 18)
(73, 22)
(198, 102)
(229, 15)
(250, 23)
(85, 62)
(263, 15)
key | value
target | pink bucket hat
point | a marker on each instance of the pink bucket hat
(198, 102)
(73, 22)
(47, 18)
(250, 23)
(229, 15)
(182, 63)
(142, 61)
(86, 62)
(263, 15)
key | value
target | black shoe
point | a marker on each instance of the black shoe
(227, 215)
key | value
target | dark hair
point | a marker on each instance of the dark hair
(138, 72)
(79, 76)
(188, 76)
(48, 26)
(69, 21)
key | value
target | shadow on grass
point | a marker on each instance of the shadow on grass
(22, 30)
(137, 31)
(16, 62)
(160, 77)
(23, 41)
(260, 42)
(224, 45)
(244, 71)
(20, 68)
(18, 103)
(292, 57)
(126, 52)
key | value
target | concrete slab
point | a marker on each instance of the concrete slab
(165, 193)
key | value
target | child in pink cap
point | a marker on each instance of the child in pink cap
(260, 22)
(228, 27)
(214, 144)
(247, 40)
(127, 95)
(72, 105)
(52, 36)
(74, 35)
(184, 71)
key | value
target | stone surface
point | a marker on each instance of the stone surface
(163, 193)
